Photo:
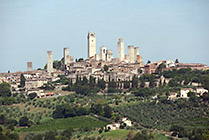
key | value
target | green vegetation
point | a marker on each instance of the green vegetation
(143, 92)
(9, 136)
(121, 134)
(32, 95)
(22, 80)
(57, 64)
(178, 79)
(159, 136)
(5, 90)
(106, 68)
(117, 134)
(163, 115)
(83, 114)
(82, 86)
(80, 122)
(50, 135)
(194, 134)
(65, 111)
(187, 76)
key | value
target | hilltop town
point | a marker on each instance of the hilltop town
(100, 66)
(102, 97)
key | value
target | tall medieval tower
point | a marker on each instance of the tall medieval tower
(136, 53)
(49, 62)
(131, 54)
(66, 56)
(91, 44)
(121, 54)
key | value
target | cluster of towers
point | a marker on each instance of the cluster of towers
(133, 53)
(67, 59)
(106, 55)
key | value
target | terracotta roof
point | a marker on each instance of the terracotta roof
(50, 94)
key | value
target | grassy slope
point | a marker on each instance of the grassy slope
(60, 124)
(117, 134)
(158, 136)
(120, 134)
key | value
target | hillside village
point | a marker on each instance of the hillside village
(100, 66)
(95, 98)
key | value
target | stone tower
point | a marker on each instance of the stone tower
(121, 54)
(139, 59)
(29, 66)
(103, 52)
(66, 56)
(136, 52)
(131, 53)
(49, 62)
(91, 44)
(109, 55)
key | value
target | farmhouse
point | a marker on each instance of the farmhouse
(113, 126)
(127, 122)
(184, 91)
(117, 125)
(199, 91)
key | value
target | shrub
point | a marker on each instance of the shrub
(67, 133)
(23, 121)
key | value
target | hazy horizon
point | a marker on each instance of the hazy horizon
(162, 29)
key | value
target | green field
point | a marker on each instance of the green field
(158, 136)
(120, 134)
(61, 124)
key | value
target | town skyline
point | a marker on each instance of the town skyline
(170, 31)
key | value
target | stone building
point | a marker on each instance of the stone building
(131, 54)
(152, 67)
(103, 53)
(139, 59)
(49, 62)
(29, 66)
(109, 55)
(97, 57)
(136, 53)
(91, 44)
(34, 83)
(66, 56)
(121, 51)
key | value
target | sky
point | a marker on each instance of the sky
(162, 29)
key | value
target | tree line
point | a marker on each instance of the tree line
(66, 110)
